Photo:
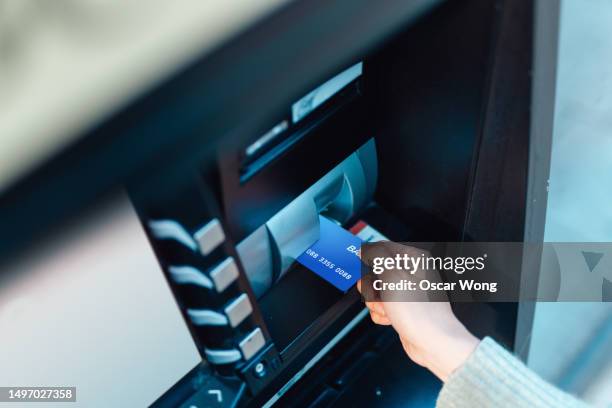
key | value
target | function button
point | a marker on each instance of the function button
(235, 313)
(238, 310)
(224, 274)
(252, 343)
(210, 236)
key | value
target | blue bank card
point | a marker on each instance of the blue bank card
(335, 256)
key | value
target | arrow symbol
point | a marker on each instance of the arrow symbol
(218, 393)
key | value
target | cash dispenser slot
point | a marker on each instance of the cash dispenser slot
(269, 251)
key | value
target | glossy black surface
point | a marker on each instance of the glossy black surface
(390, 381)
(296, 301)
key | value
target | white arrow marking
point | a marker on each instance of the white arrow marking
(218, 393)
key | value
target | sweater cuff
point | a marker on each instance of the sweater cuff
(493, 377)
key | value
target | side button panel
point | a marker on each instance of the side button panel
(222, 356)
(204, 317)
(187, 274)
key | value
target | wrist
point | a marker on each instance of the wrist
(451, 350)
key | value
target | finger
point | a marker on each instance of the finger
(372, 251)
(380, 320)
(376, 307)
(365, 287)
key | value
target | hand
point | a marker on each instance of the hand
(430, 333)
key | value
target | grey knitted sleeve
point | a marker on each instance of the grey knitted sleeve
(493, 377)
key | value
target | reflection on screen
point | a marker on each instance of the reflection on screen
(318, 96)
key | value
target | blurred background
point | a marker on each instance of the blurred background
(571, 343)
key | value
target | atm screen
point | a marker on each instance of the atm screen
(303, 295)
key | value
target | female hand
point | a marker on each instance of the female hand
(430, 333)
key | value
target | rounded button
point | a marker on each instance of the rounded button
(260, 370)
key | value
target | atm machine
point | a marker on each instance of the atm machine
(421, 119)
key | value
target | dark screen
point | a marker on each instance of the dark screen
(295, 302)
